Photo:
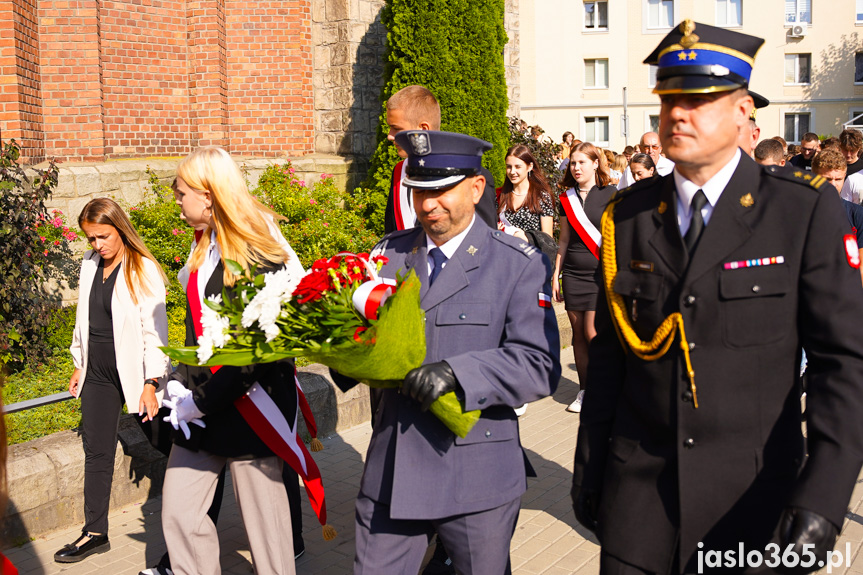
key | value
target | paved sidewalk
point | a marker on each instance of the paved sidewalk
(547, 539)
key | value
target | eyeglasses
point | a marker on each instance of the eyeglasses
(653, 147)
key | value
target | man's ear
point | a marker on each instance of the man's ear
(478, 187)
(424, 126)
(744, 105)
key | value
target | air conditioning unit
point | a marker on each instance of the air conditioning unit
(799, 30)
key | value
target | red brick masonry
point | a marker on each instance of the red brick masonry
(91, 80)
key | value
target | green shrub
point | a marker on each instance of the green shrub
(27, 260)
(455, 49)
(543, 149)
(321, 220)
(58, 336)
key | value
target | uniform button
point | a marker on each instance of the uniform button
(686, 395)
(691, 346)
(689, 300)
(689, 443)
(756, 288)
(637, 290)
(462, 316)
(481, 400)
(497, 234)
(488, 433)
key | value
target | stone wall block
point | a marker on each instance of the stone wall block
(319, 11)
(331, 121)
(340, 55)
(323, 99)
(325, 144)
(109, 177)
(31, 479)
(88, 182)
(322, 55)
(65, 186)
(330, 34)
(338, 10)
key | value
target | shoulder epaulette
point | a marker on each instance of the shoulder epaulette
(796, 175)
(519, 245)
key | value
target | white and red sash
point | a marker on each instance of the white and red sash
(578, 220)
(406, 217)
(269, 423)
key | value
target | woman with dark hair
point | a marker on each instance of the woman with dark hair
(524, 201)
(119, 327)
(587, 193)
(642, 167)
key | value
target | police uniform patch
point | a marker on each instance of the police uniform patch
(420, 144)
(852, 252)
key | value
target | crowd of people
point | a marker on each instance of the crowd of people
(678, 256)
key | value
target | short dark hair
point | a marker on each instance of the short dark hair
(769, 150)
(809, 137)
(851, 139)
(830, 143)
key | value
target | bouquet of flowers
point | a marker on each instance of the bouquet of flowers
(340, 314)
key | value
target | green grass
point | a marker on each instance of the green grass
(50, 378)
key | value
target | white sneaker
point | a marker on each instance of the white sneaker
(519, 411)
(575, 406)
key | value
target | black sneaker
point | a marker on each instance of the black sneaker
(78, 551)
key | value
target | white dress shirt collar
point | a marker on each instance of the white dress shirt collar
(450, 247)
(712, 189)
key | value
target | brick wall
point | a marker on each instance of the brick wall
(20, 106)
(92, 80)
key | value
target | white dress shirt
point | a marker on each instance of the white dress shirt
(712, 188)
(852, 189)
(449, 248)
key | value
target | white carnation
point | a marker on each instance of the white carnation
(214, 325)
(266, 306)
(205, 349)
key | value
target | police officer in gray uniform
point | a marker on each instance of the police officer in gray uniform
(491, 337)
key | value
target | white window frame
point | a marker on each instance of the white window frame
(853, 113)
(729, 12)
(597, 29)
(797, 81)
(652, 70)
(607, 74)
(858, 12)
(856, 83)
(789, 24)
(597, 143)
(789, 111)
(645, 20)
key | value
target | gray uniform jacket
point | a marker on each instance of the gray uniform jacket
(483, 318)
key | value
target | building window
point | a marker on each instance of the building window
(795, 126)
(853, 119)
(729, 13)
(596, 73)
(596, 129)
(858, 68)
(797, 67)
(660, 13)
(797, 11)
(596, 16)
(859, 11)
(653, 119)
(651, 75)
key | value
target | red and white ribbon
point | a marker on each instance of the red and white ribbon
(371, 295)
(406, 218)
(579, 221)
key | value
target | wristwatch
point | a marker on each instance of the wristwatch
(152, 381)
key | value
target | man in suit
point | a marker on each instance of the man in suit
(492, 338)
(715, 275)
(415, 108)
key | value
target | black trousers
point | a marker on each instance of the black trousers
(101, 404)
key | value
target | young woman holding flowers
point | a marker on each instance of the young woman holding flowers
(232, 226)
(120, 325)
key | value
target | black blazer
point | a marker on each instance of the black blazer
(671, 476)
(227, 433)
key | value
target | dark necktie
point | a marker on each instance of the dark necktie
(696, 221)
(439, 260)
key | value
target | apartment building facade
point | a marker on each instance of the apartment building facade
(582, 71)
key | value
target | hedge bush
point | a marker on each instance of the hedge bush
(455, 49)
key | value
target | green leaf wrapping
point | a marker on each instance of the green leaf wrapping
(386, 352)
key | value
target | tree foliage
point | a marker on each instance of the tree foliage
(455, 49)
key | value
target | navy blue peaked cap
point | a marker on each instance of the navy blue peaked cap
(438, 160)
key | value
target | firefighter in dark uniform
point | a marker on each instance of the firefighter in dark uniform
(714, 276)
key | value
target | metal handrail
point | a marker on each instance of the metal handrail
(37, 402)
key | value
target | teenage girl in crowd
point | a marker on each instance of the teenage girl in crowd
(230, 225)
(587, 193)
(120, 324)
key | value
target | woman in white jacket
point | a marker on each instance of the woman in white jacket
(120, 324)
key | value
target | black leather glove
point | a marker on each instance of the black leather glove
(428, 382)
(800, 527)
(585, 503)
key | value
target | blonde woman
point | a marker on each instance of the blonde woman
(119, 327)
(229, 224)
